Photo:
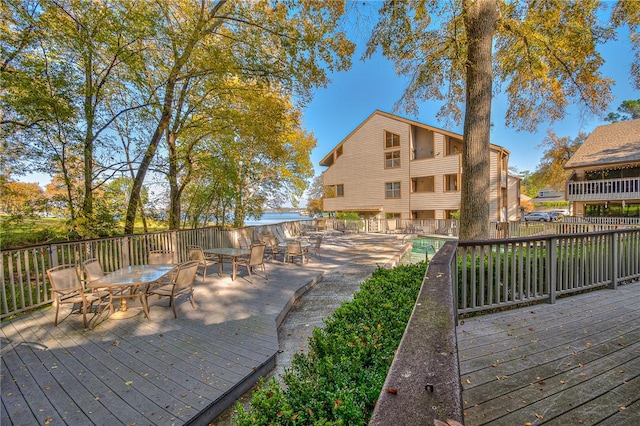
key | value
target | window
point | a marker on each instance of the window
(332, 191)
(392, 159)
(453, 146)
(393, 215)
(391, 140)
(423, 184)
(451, 183)
(392, 190)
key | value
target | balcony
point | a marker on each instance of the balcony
(604, 189)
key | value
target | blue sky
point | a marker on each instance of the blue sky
(353, 95)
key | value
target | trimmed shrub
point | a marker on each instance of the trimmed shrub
(339, 380)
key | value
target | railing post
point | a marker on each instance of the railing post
(613, 261)
(174, 246)
(53, 255)
(125, 251)
(552, 267)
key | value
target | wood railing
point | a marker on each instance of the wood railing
(604, 189)
(498, 273)
(423, 383)
(23, 280)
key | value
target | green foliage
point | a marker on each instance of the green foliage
(339, 380)
(347, 216)
(628, 110)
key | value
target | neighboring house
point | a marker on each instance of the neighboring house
(606, 172)
(393, 167)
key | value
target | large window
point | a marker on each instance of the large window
(392, 159)
(391, 140)
(392, 190)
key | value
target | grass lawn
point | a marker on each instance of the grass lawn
(42, 230)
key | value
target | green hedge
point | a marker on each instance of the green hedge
(339, 380)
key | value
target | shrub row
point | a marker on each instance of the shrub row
(339, 380)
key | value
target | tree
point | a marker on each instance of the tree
(557, 151)
(628, 110)
(450, 50)
(315, 195)
(22, 199)
(286, 45)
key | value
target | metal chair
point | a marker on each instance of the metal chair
(93, 271)
(160, 257)
(256, 258)
(196, 253)
(272, 249)
(315, 247)
(294, 249)
(67, 288)
(181, 283)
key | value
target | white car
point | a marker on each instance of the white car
(537, 217)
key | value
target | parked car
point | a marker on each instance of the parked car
(537, 217)
(557, 214)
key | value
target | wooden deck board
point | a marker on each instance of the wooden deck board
(576, 360)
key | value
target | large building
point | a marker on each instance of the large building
(393, 167)
(605, 179)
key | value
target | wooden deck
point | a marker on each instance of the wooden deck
(165, 371)
(576, 362)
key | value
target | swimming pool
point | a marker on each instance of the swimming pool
(426, 247)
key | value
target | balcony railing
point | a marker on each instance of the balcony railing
(604, 189)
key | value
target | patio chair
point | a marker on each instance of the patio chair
(181, 283)
(92, 271)
(255, 258)
(244, 243)
(196, 253)
(67, 288)
(160, 257)
(272, 249)
(315, 247)
(294, 249)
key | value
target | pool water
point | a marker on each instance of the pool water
(425, 247)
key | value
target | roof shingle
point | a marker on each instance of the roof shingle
(609, 144)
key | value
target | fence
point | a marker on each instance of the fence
(23, 280)
(498, 273)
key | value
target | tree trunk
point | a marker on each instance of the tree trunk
(480, 23)
(134, 198)
(174, 190)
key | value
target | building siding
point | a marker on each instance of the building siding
(361, 169)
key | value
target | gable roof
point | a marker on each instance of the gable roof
(609, 144)
(326, 160)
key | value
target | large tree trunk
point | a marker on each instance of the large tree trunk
(480, 22)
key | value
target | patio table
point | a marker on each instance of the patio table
(230, 252)
(131, 277)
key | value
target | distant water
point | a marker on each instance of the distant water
(275, 217)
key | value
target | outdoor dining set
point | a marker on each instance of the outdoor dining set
(88, 289)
